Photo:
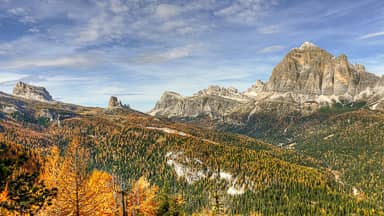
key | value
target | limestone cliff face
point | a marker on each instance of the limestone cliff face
(214, 102)
(376, 102)
(31, 92)
(312, 70)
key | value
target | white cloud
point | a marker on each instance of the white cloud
(33, 30)
(245, 11)
(182, 27)
(372, 35)
(373, 64)
(167, 10)
(274, 48)
(172, 24)
(54, 62)
(22, 14)
(168, 55)
(117, 6)
(7, 77)
(18, 11)
(102, 27)
(269, 29)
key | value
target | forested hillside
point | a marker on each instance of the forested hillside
(102, 162)
(348, 140)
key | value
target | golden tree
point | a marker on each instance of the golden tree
(142, 198)
(79, 192)
(100, 193)
(4, 194)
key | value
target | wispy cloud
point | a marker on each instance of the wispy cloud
(374, 64)
(23, 14)
(7, 77)
(271, 49)
(272, 29)
(168, 55)
(53, 62)
(372, 35)
(246, 11)
(167, 10)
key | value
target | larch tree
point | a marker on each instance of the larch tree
(80, 192)
(142, 198)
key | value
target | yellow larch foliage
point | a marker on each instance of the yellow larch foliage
(100, 191)
(4, 194)
(78, 190)
(142, 198)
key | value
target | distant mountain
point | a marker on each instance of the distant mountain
(31, 92)
(214, 101)
(307, 79)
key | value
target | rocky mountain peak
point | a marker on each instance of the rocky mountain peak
(360, 68)
(312, 70)
(31, 92)
(214, 90)
(259, 83)
(171, 94)
(308, 45)
(114, 102)
(255, 89)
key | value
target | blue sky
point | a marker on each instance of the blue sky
(83, 51)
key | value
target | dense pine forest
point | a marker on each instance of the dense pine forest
(121, 162)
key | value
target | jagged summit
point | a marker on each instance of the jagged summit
(312, 70)
(308, 45)
(171, 93)
(215, 90)
(255, 89)
(114, 103)
(31, 92)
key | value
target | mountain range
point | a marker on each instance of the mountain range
(307, 79)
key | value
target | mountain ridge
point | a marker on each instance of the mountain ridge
(306, 79)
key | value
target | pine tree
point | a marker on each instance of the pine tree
(23, 192)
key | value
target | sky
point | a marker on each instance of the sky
(84, 51)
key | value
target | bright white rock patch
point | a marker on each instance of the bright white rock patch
(169, 130)
(192, 171)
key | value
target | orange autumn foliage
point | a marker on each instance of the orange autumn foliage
(142, 198)
(99, 187)
(78, 190)
(4, 194)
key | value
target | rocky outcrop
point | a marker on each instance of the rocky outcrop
(376, 102)
(255, 89)
(312, 70)
(229, 93)
(114, 103)
(32, 92)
